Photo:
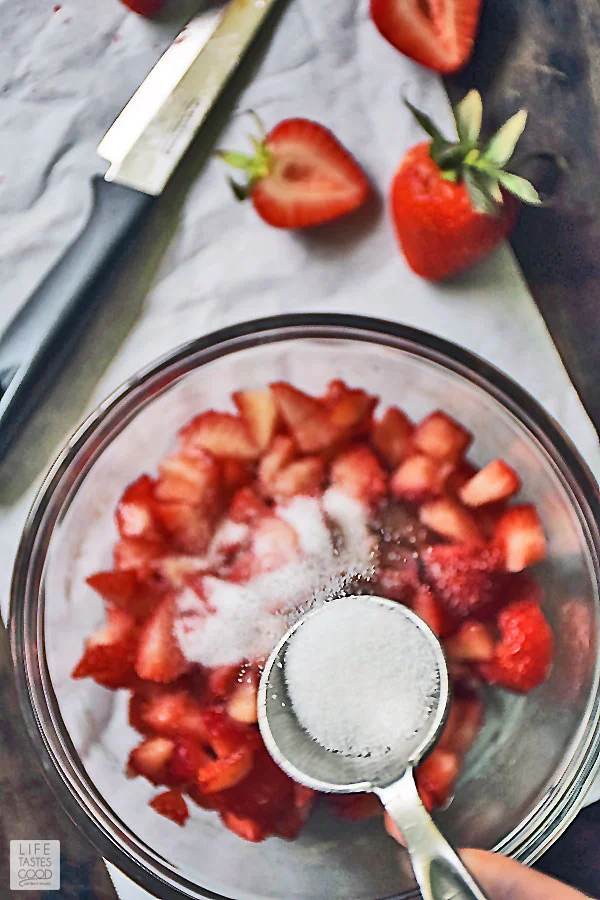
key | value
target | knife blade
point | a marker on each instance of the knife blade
(144, 147)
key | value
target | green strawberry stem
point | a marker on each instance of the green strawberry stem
(256, 166)
(480, 166)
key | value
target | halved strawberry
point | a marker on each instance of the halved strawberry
(391, 436)
(247, 829)
(466, 579)
(159, 657)
(278, 456)
(419, 478)
(358, 473)
(350, 409)
(192, 478)
(300, 176)
(306, 418)
(241, 705)
(473, 642)
(135, 511)
(185, 762)
(246, 507)
(227, 771)
(127, 590)
(110, 652)
(257, 409)
(521, 537)
(436, 775)
(172, 805)
(439, 34)
(356, 807)
(441, 437)
(523, 656)
(304, 476)
(222, 434)
(151, 758)
(435, 614)
(137, 553)
(451, 520)
(189, 527)
(171, 713)
(496, 481)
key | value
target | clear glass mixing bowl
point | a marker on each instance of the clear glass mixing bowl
(528, 773)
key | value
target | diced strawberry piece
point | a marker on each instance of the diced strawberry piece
(399, 583)
(263, 796)
(192, 478)
(523, 586)
(259, 412)
(172, 805)
(441, 437)
(186, 761)
(225, 735)
(222, 434)
(305, 476)
(521, 537)
(241, 705)
(304, 797)
(473, 642)
(451, 520)
(159, 656)
(189, 527)
(289, 825)
(428, 607)
(463, 472)
(246, 507)
(110, 652)
(274, 544)
(358, 473)
(437, 774)
(306, 417)
(496, 481)
(419, 478)
(467, 579)
(135, 511)
(222, 681)
(226, 772)
(391, 436)
(151, 758)
(523, 656)
(172, 713)
(489, 516)
(278, 456)
(463, 724)
(356, 807)
(235, 475)
(126, 590)
(247, 829)
(136, 553)
(350, 409)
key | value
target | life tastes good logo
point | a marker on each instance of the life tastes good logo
(34, 865)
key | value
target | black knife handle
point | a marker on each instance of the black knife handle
(32, 347)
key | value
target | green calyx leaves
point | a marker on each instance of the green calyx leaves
(480, 166)
(256, 165)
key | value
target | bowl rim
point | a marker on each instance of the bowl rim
(551, 815)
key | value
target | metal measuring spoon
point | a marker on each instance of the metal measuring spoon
(438, 869)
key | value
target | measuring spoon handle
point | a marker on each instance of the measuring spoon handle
(440, 872)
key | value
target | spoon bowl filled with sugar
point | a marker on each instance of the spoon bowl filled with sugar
(351, 699)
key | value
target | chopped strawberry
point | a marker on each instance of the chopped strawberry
(435, 614)
(136, 553)
(110, 652)
(278, 456)
(225, 735)
(304, 476)
(151, 759)
(172, 805)
(235, 475)
(185, 762)
(466, 579)
(263, 796)
(257, 409)
(356, 807)
(521, 537)
(274, 544)
(441, 437)
(241, 705)
(192, 478)
(391, 436)
(246, 507)
(225, 772)
(419, 478)
(127, 590)
(436, 775)
(463, 472)
(358, 473)
(159, 656)
(399, 583)
(451, 520)
(289, 825)
(222, 680)
(350, 409)
(247, 829)
(496, 481)
(306, 417)
(300, 176)
(189, 527)
(473, 642)
(135, 511)
(222, 434)
(523, 656)
(171, 713)
(463, 724)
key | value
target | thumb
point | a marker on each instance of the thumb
(505, 879)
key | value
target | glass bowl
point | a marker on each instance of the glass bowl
(527, 774)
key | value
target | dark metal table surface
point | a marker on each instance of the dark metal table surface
(545, 56)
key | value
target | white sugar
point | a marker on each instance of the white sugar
(362, 678)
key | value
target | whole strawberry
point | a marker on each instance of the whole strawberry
(453, 201)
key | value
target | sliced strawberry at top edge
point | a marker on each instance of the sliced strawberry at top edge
(222, 434)
(258, 410)
(440, 436)
(391, 436)
(350, 409)
(306, 418)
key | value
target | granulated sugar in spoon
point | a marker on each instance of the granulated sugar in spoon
(351, 699)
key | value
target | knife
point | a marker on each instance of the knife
(144, 147)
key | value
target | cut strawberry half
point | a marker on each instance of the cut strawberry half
(226, 772)
(436, 776)
(159, 657)
(135, 511)
(439, 34)
(523, 656)
(304, 476)
(496, 481)
(451, 520)
(189, 527)
(391, 436)
(358, 473)
(258, 410)
(441, 437)
(110, 652)
(300, 176)
(468, 580)
(306, 417)
(222, 434)
(473, 642)
(171, 805)
(151, 758)
(192, 478)
(521, 537)
(419, 478)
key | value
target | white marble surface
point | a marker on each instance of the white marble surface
(205, 261)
